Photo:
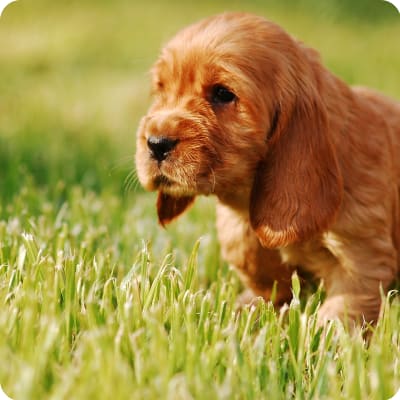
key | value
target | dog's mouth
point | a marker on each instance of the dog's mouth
(169, 186)
(161, 182)
(178, 177)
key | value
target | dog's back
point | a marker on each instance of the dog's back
(389, 110)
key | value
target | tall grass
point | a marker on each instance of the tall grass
(89, 310)
(99, 302)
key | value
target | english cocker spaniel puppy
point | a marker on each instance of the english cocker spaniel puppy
(306, 169)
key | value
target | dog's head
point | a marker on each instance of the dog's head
(237, 113)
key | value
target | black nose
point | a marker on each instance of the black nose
(160, 147)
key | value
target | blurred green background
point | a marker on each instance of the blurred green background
(74, 81)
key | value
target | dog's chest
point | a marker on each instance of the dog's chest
(312, 256)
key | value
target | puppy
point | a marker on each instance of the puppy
(306, 169)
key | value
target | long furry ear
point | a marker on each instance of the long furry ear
(297, 189)
(169, 208)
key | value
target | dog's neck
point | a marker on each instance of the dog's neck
(238, 200)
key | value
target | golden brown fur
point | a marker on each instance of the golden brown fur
(306, 169)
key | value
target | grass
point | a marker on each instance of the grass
(92, 310)
(98, 301)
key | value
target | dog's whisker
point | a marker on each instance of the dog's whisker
(131, 181)
(125, 162)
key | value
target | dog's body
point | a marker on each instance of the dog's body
(306, 169)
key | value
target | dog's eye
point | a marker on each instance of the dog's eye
(221, 95)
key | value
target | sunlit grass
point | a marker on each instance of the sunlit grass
(92, 310)
(97, 301)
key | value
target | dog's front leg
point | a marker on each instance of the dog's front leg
(258, 267)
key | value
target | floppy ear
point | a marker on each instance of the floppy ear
(297, 189)
(169, 208)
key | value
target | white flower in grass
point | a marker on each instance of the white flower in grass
(27, 236)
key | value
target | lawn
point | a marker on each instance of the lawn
(98, 301)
